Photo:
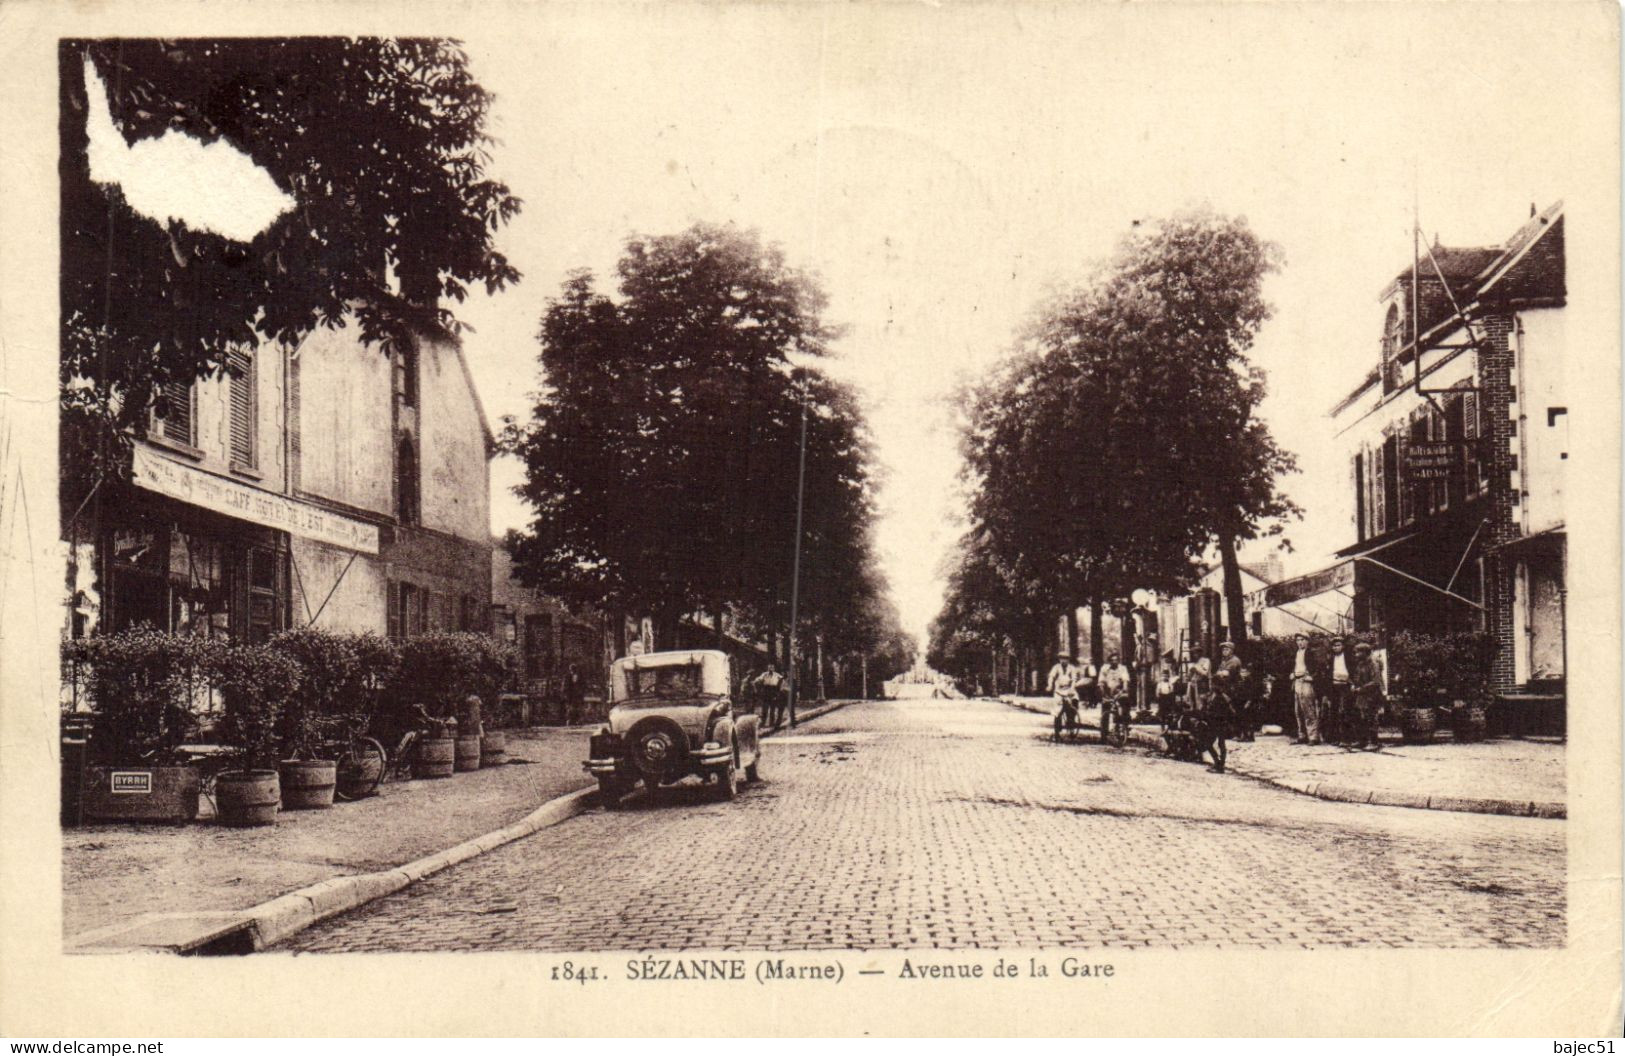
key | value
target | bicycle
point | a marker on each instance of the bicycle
(1114, 720)
(1066, 715)
(362, 762)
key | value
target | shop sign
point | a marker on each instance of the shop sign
(1338, 575)
(1433, 459)
(165, 476)
(131, 782)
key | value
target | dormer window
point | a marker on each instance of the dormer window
(1393, 340)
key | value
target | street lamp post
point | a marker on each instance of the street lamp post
(795, 566)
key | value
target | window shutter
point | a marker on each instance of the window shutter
(392, 594)
(241, 383)
(1379, 492)
(1357, 485)
(176, 411)
(1402, 445)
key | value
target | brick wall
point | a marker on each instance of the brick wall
(1496, 373)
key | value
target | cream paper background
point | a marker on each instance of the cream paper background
(1573, 991)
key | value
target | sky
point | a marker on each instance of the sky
(942, 168)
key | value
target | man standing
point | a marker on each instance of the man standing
(1165, 676)
(1368, 698)
(575, 696)
(1337, 725)
(769, 687)
(1305, 703)
(1225, 675)
(1145, 664)
(1113, 688)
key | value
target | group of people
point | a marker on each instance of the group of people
(1075, 685)
(1336, 698)
(769, 692)
(1202, 703)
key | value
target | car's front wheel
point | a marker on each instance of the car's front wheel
(728, 781)
(753, 772)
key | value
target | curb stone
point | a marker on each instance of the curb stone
(1374, 797)
(262, 926)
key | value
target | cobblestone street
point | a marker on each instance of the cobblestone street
(955, 823)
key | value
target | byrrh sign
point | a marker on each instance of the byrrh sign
(165, 476)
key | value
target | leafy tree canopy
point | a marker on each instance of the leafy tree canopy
(381, 145)
(662, 454)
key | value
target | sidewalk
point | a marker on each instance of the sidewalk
(203, 867)
(1491, 777)
(113, 874)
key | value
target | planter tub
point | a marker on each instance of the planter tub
(359, 778)
(1468, 722)
(140, 793)
(434, 757)
(467, 754)
(1417, 725)
(247, 797)
(308, 784)
(493, 749)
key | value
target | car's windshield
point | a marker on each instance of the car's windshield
(663, 683)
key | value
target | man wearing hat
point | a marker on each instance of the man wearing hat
(1063, 685)
(1366, 679)
(1305, 701)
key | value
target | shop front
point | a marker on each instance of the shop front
(179, 548)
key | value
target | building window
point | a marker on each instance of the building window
(265, 578)
(1359, 497)
(173, 413)
(242, 380)
(408, 506)
(406, 373)
(407, 605)
(1393, 339)
(538, 645)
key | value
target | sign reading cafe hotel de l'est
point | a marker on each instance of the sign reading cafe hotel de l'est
(165, 476)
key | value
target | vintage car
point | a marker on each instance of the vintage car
(671, 715)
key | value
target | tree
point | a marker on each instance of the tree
(663, 451)
(1188, 293)
(381, 145)
(1120, 442)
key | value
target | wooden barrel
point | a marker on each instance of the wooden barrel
(359, 776)
(1416, 725)
(308, 784)
(247, 797)
(434, 757)
(1468, 722)
(468, 753)
(493, 749)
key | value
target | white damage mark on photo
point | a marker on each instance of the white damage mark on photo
(177, 178)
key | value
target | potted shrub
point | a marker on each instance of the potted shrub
(309, 769)
(1444, 673)
(255, 683)
(140, 684)
(359, 701)
(438, 674)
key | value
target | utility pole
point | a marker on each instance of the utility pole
(795, 567)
